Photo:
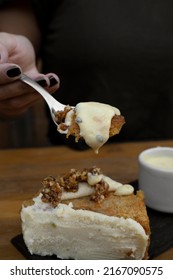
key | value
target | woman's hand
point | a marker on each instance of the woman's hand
(16, 56)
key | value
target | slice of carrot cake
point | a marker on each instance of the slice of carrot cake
(86, 215)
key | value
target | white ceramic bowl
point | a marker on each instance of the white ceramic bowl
(156, 178)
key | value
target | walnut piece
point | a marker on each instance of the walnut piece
(52, 191)
(69, 182)
(101, 191)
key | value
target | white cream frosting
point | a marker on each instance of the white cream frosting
(94, 120)
(80, 234)
(86, 188)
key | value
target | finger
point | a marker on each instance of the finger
(15, 89)
(9, 73)
(11, 88)
(14, 107)
(18, 88)
(24, 101)
(54, 82)
(3, 54)
(35, 75)
(7, 45)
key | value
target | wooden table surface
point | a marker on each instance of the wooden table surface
(22, 170)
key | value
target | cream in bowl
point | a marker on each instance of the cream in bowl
(156, 178)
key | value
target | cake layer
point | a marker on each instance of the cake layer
(81, 234)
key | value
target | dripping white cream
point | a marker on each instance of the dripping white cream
(94, 120)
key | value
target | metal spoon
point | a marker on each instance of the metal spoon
(53, 104)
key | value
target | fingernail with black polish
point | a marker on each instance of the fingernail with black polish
(13, 72)
(42, 82)
(53, 81)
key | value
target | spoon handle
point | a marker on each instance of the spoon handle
(53, 104)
